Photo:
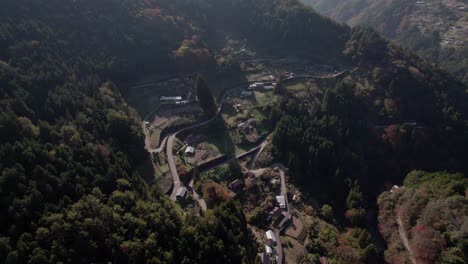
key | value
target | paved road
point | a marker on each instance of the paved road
(170, 142)
(284, 192)
(172, 168)
(284, 188)
(316, 76)
(260, 150)
(197, 197)
(404, 239)
(280, 259)
(161, 146)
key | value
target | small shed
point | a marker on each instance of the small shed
(259, 85)
(170, 98)
(236, 185)
(181, 193)
(270, 237)
(189, 151)
(268, 250)
(243, 126)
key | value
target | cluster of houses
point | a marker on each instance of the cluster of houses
(278, 215)
(280, 218)
(250, 90)
(270, 251)
(256, 86)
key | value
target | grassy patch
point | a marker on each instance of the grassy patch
(264, 98)
(217, 174)
(154, 137)
(297, 87)
(218, 136)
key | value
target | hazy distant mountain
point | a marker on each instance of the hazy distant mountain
(435, 29)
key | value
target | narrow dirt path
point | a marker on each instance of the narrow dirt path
(404, 239)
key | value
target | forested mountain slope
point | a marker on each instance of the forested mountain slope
(430, 209)
(71, 148)
(72, 183)
(435, 30)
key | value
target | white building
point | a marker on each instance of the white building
(170, 98)
(259, 85)
(394, 188)
(271, 237)
(268, 250)
(182, 192)
(281, 201)
(189, 150)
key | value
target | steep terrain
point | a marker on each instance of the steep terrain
(429, 211)
(436, 30)
(75, 181)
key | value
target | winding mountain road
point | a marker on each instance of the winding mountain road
(284, 192)
(170, 142)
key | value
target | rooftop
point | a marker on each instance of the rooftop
(181, 192)
(270, 235)
(281, 201)
(170, 98)
(189, 150)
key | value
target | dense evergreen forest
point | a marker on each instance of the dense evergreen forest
(71, 148)
(73, 186)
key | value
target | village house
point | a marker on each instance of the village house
(190, 151)
(394, 188)
(181, 193)
(236, 185)
(249, 174)
(275, 212)
(256, 86)
(271, 239)
(265, 257)
(281, 202)
(283, 219)
(170, 99)
(250, 182)
(244, 126)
